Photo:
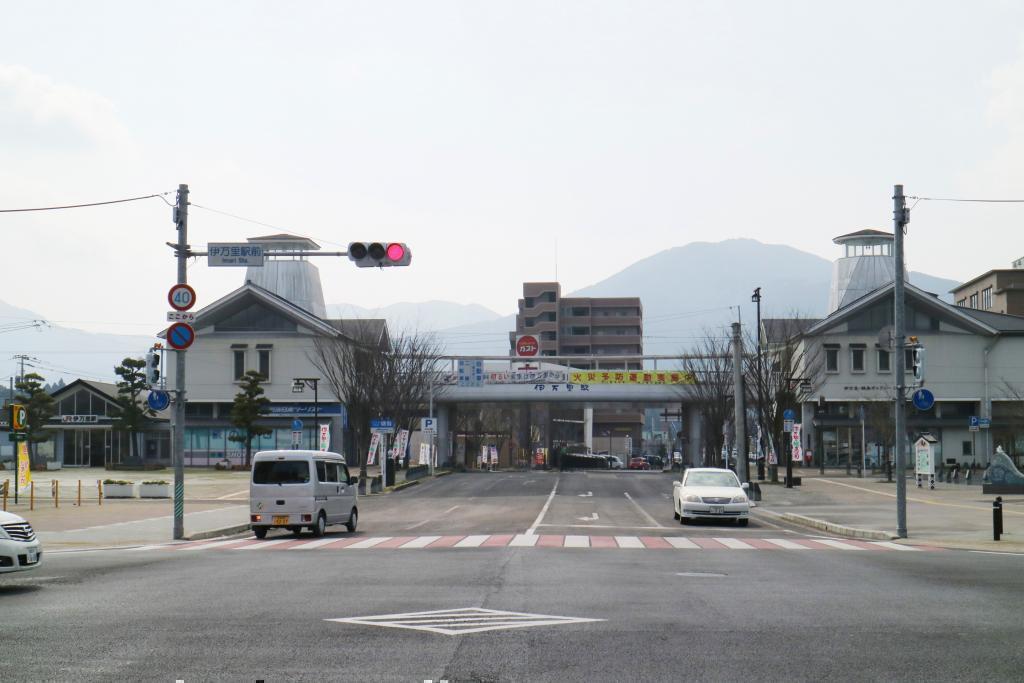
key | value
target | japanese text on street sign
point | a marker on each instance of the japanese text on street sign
(655, 377)
(235, 254)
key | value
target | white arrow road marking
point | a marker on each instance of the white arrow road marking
(588, 494)
(592, 518)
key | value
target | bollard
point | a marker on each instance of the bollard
(55, 492)
(6, 484)
(997, 518)
(79, 493)
(99, 489)
(31, 495)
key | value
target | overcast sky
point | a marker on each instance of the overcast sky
(481, 133)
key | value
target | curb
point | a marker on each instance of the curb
(215, 533)
(403, 485)
(831, 527)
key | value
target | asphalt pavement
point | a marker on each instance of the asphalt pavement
(170, 612)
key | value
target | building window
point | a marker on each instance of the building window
(579, 331)
(986, 298)
(962, 303)
(238, 353)
(857, 360)
(884, 359)
(263, 353)
(549, 336)
(973, 301)
(831, 360)
(580, 312)
(966, 448)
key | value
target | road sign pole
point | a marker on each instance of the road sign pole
(178, 455)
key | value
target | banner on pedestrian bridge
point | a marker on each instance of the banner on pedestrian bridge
(632, 377)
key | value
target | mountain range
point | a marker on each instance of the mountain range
(686, 292)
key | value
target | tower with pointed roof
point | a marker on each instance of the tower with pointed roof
(291, 277)
(866, 265)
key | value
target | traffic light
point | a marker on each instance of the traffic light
(153, 368)
(919, 364)
(379, 254)
(19, 417)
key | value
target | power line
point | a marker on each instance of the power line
(265, 225)
(80, 206)
(959, 199)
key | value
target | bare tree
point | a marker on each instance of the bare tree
(710, 363)
(376, 376)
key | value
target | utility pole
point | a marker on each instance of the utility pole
(900, 220)
(739, 405)
(178, 437)
(756, 298)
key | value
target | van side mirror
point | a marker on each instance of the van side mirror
(352, 481)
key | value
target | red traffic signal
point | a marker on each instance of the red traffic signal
(379, 254)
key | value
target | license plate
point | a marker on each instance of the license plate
(280, 519)
(32, 556)
(717, 509)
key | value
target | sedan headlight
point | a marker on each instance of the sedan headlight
(691, 498)
(739, 499)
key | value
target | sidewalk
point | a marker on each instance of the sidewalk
(951, 516)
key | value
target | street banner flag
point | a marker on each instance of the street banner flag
(798, 451)
(371, 456)
(325, 436)
(424, 453)
(24, 471)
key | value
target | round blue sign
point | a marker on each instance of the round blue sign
(296, 425)
(788, 414)
(923, 399)
(158, 400)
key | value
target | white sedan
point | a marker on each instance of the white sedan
(19, 547)
(710, 493)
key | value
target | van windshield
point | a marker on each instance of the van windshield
(281, 472)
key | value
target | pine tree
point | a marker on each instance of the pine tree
(250, 404)
(131, 412)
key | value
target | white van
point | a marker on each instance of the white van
(296, 489)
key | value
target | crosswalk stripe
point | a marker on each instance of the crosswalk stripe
(577, 541)
(421, 542)
(788, 545)
(678, 542)
(310, 545)
(260, 545)
(894, 546)
(734, 544)
(837, 544)
(524, 541)
(368, 543)
(628, 542)
(472, 541)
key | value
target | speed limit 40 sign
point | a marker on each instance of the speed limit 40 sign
(181, 297)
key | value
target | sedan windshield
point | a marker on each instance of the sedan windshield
(712, 479)
(281, 472)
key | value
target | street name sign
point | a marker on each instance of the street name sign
(234, 254)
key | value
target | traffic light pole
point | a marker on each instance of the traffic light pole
(178, 438)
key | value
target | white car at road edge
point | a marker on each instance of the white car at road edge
(20, 549)
(710, 493)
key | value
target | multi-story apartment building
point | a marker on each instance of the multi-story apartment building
(580, 326)
(999, 291)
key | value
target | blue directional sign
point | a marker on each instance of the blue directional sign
(382, 424)
(296, 425)
(985, 422)
(788, 414)
(923, 399)
(158, 400)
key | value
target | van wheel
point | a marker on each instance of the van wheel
(321, 525)
(353, 520)
(260, 531)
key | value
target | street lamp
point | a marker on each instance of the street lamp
(298, 386)
(756, 298)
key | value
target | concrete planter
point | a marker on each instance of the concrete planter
(119, 490)
(154, 490)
